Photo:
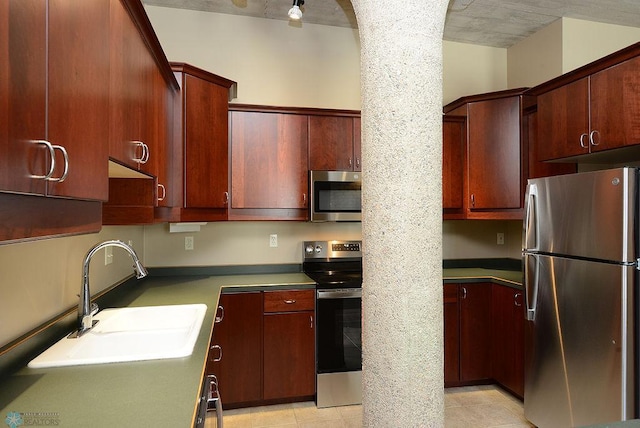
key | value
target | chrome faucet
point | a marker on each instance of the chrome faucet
(86, 310)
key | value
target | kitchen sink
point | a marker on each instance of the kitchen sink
(129, 334)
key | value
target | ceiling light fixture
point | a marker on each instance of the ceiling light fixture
(295, 12)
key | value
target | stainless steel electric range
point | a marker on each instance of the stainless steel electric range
(336, 267)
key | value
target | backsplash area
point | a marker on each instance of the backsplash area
(41, 279)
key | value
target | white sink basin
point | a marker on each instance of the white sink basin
(130, 334)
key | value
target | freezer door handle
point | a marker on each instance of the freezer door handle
(531, 219)
(531, 278)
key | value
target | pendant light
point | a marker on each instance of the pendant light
(295, 13)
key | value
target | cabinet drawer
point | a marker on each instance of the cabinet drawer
(289, 300)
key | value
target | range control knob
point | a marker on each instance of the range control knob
(308, 249)
(318, 248)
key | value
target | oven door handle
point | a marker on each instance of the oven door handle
(350, 293)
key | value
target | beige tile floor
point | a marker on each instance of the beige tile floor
(477, 406)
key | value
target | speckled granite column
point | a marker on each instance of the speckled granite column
(402, 211)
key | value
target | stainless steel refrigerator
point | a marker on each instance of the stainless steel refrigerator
(580, 251)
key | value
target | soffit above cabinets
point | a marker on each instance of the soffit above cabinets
(497, 23)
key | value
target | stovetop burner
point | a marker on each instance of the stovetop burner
(333, 264)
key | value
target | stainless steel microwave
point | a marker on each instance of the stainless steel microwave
(335, 196)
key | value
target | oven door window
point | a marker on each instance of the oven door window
(339, 335)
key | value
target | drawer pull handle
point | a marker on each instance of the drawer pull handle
(290, 301)
(220, 317)
(219, 348)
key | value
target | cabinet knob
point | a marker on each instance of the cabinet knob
(290, 301)
(464, 292)
(311, 322)
(358, 163)
(592, 137)
(226, 198)
(473, 200)
(350, 162)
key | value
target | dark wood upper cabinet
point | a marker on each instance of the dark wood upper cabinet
(78, 96)
(56, 59)
(200, 152)
(563, 121)
(585, 114)
(494, 164)
(332, 144)
(454, 132)
(269, 160)
(494, 151)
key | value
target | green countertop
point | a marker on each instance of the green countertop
(155, 393)
(504, 277)
(158, 393)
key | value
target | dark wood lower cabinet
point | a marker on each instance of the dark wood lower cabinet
(289, 355)
(484, 335)
(239, 334)
(267, 349)
(507, 351)
(451, 335)
(475, 332)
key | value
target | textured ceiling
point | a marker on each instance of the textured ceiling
(498, 23)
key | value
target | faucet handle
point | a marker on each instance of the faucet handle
(94, 309)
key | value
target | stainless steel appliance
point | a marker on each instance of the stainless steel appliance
(335, 196)
(336, 266)
(580, 251)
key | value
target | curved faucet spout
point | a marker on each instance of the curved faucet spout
(86, 310)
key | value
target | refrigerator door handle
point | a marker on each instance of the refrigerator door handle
(532, 277)
(531, 219)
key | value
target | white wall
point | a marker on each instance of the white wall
(41, 279)
(537, 58)
(563, 46)
(584, 41)
(278, 64)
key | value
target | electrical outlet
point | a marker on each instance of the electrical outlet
(273, 240)
(108, 255)
(188, 243)
(500, 238)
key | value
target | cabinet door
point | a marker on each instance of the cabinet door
(494, 155)
(615, 106)
(536, 167)
(269, 160)
(331, 143)
(23, 96)
(451, 334)
(453, 144)
(206, 144)
(563, 121)
(78, 96)
(127, 83)
(357, 144)
(475, 332)
(289, 355)
(239, 334)
(507, 348)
